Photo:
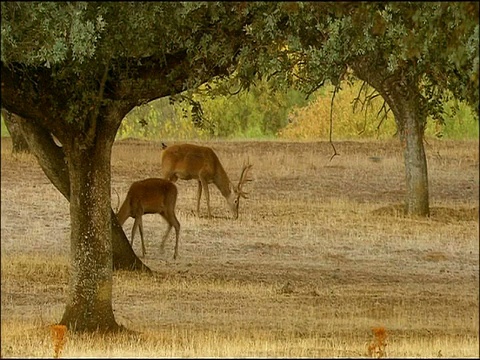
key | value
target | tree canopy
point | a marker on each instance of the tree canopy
(435, 44)
(87, 42)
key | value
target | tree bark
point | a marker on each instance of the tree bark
(405, 101)
(89, 303)
(52, 161)
(411, 126)
(19, 144)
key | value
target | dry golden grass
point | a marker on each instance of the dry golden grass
(320, 256)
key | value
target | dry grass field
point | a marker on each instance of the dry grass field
(320, 256)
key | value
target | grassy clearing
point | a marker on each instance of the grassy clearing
(319, 256)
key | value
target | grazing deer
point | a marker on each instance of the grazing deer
(151, 196)
(187, 161)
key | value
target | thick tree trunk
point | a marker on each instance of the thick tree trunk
(82, 173)
(19, 144)
(89, 303)
(405, 102)
(52, 160)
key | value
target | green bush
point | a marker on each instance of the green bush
(159, 120)
(4, 131)
(459, 122)
(262, 113)
(259, 113)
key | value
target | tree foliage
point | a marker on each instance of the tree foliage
(433, 44)
(70, 40)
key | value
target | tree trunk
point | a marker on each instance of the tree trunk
(411, 134)
(410, 119)
(405, 101)
(89, 303)
(52, 160)
(19, 144)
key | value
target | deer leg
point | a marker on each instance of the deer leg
(199, 195)
(172, 220)
(162, 246)
(138, 223)
(176, 224)
(141, 235)
(207, 196)
(134, 229)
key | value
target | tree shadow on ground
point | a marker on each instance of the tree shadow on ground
(437, 213)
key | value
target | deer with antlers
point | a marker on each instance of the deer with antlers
(188, 161)
(151, 196)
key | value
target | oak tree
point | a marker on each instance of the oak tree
(414, 54)
(74, 70)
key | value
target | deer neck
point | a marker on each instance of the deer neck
(223, 183)
(124, 212)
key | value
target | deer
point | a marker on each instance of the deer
(188, 161)
(150, 196)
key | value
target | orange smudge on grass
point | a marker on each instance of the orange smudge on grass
(377, 347)
(58, 338)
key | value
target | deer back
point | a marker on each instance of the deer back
(148, 196)
(187, 161)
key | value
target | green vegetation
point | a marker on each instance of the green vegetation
(159, 120)
(4, 132)
(354, 122)
(262, 113)
(459, 122)
(259, 113)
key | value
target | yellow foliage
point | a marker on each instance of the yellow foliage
(313, 121)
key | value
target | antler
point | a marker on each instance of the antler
(243, 179)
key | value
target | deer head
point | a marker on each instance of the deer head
(237, 193)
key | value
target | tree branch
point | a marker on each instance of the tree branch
(92, 129)
(337, 87)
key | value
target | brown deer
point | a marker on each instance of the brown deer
(150, 196)
(187, 161)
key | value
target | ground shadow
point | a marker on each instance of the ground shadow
(438, 213)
